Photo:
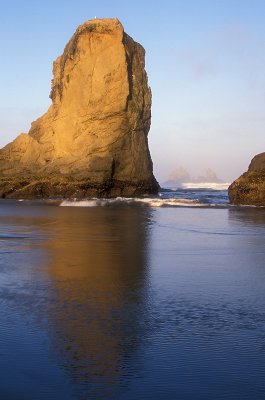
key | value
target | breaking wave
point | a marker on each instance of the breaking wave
(216, 196)
(151, 202)
(202, 185)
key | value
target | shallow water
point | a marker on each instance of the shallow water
(129, 301)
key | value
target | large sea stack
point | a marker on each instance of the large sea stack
(249, 188)
(92, 141)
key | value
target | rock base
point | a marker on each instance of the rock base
(249, 188)
(70, 189)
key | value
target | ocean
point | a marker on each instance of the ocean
(145, 298)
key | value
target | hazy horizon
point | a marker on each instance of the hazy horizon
(204, 60)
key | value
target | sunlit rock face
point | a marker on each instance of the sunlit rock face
(249, 188)
(92, 141)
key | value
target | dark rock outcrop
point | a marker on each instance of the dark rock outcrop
(249, 188)
(92, 141)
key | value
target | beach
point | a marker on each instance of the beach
(132, 300)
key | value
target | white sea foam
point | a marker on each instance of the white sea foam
(151, 202)
(90, 203)
(202, 185)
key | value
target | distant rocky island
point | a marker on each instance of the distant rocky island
(181, 176)
(249, 188)
(92, 141)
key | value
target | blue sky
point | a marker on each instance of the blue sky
(205, 61)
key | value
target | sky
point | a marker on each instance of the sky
(205, 60)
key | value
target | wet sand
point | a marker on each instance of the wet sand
(128, 301)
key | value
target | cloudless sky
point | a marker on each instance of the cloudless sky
(206, 65)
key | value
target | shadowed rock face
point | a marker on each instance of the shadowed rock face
(249, 188)
(92, 141)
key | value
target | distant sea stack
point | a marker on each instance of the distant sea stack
(180, 176)
(92, 141)
(249, 188)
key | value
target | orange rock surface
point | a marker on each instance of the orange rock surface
(92, 141)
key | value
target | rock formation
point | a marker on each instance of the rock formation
(249, 188)
(180, 175)
(92, 141)
(210, 176)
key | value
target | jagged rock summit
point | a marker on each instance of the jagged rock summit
(92, 141)
(249, 188)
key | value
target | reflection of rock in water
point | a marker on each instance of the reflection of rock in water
(251, 216)
(248, 230)
(98, 267)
